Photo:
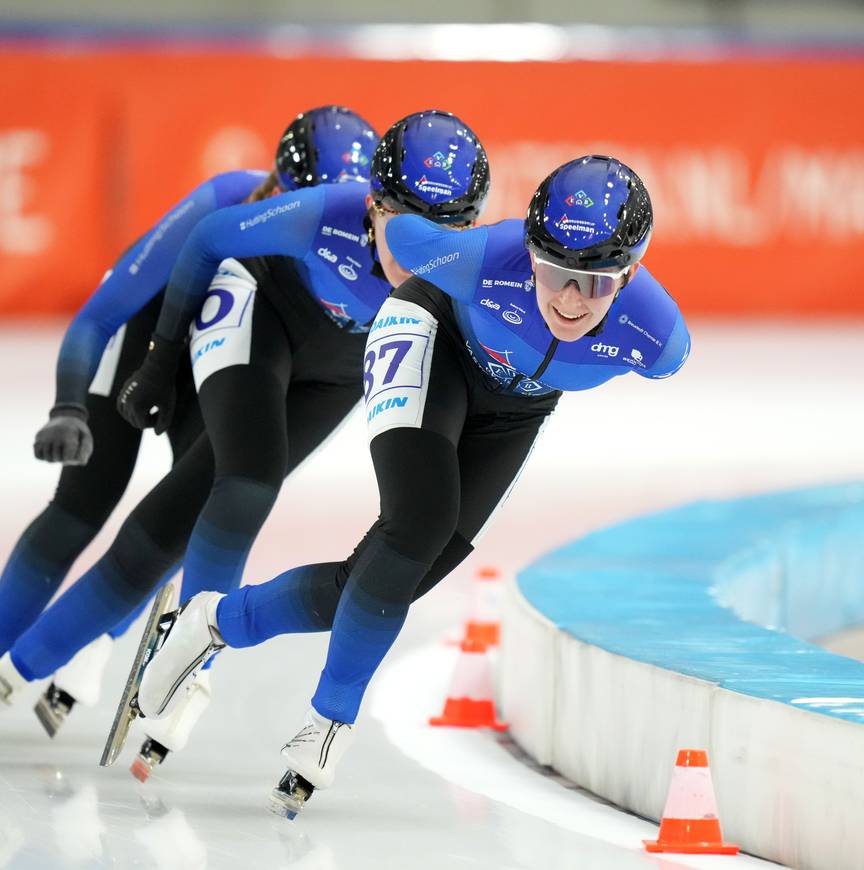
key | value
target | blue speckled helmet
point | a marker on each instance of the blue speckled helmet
(325, 145)
(432, 164)
(591, 213)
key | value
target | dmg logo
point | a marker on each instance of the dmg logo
(605, 349)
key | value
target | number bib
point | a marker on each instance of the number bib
(221, 334)
(103, 380)
(396, 366)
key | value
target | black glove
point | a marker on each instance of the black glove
(65, 437)
(148, 397)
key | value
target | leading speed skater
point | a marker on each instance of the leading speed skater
(463, 364)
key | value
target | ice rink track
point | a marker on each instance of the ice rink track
(762, 405)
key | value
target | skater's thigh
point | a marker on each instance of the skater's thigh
(492, 454)
(491, 457)
(169, 511)
(187, 423)
(243, 404)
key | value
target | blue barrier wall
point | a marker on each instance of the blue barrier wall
(726, 591)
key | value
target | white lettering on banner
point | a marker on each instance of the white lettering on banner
(20, 232)
(713, 194)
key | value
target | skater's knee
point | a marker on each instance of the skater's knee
(240, 503)
(59, 535)
(90, 505)
(138, 561)
(420, 530)
(244, 449)
(418, 479)
(457, 550)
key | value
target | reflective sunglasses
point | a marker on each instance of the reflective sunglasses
(592, 285)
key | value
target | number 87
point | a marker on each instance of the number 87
(400, 349)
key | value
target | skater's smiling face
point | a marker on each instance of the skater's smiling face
(573, 303)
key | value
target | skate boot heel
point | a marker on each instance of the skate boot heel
(190, 638)
(152, 754)
(52, 709)
(290, 796)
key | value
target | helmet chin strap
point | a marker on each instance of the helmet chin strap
(599, 327)
(377, 269)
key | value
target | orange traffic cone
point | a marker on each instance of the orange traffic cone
(469, 702)
(690, 823)
(484, 620)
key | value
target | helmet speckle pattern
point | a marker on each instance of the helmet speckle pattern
(432, 164)
(325, 145)
(591, 213)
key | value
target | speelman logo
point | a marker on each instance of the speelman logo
(436, 188)
(576, 225)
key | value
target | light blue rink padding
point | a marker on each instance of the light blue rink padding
(722, 591)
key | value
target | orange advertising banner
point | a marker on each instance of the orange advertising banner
(755, 166)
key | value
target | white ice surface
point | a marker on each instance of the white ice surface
(759, 406)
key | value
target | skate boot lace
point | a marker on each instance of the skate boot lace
(309, 733)
(305, 735)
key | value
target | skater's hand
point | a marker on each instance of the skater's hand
(148, 397)
(65, 437)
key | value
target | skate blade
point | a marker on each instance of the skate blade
(48, 717)
(127, 709)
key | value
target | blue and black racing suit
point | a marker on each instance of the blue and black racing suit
(103, 345)
(460, 373)
(276, 297)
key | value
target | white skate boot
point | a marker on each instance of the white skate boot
(192, 638)
(77, 682)
(11, 682)
(312, 756)
(171, 733)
